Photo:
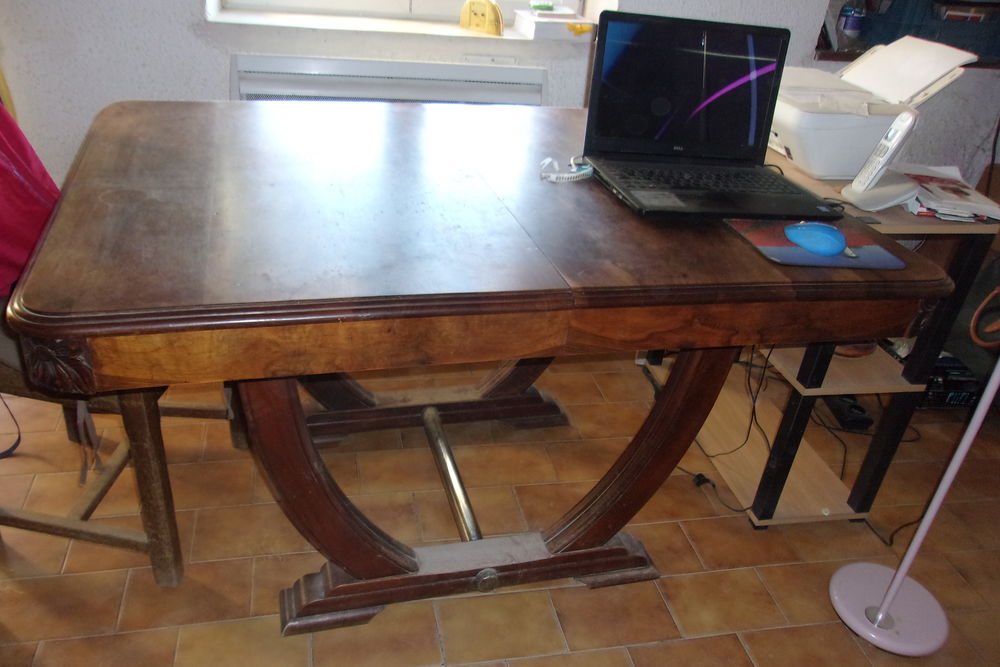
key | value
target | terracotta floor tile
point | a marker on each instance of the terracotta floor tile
(250, 530)
(495, 508)
(910, 483)
(17, 655)
(622, 386)
(183, 439)
(28, 554)
(731, 542)
(948, 532)
(394, 513)
(979, 519)
(718, 602)
(543, 504)
(219, 443)
(613, 616)
(677, 498)
(980, 629)
(505, 433)
(978, 480)
(829, 644)
(55, 493)
(399, 470)
(585, 459)
(957, 650)
(151, 648)
(209, 592)
(32, 415)
(64, 606)
(953, 589)
(43, 451)
(272, 574)
(398, 636)
(833, 540)
(601, 658)
(212, 484)
(504, 464)
(608, 420)
(14, 489)
(980, 569)
(92, 557)
(570, 388)
(498, 626)
(343, 467)
(593, 363)
(707, 652)
(254, 642)
(668, 546)
(802, 590)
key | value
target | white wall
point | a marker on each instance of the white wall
(67, 59)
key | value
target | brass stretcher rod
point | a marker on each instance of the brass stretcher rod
(454, 489)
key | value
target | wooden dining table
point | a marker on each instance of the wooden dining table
(274, 245)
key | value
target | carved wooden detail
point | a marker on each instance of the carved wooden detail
(60, 366)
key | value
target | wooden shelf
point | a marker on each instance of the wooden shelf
(877, 373)
(813, 491)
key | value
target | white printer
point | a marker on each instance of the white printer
(827, 123)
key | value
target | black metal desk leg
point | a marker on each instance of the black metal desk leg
(793, 424)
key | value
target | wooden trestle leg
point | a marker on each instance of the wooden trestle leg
(506, 394)
(368, 569)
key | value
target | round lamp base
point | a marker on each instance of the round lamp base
(915, 624)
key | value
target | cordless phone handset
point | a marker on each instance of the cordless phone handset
(885, 151)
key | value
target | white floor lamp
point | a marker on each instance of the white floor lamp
(908, 620)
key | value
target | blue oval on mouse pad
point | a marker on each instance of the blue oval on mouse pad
(817, 237)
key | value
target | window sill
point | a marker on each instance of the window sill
(215, 13)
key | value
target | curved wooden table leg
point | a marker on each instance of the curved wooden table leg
(304, 489)
(681, 409)
(369, 569)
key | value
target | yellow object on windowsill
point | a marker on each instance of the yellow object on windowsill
(482, 16)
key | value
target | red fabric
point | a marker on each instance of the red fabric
(27, 197)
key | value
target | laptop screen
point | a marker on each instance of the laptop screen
(683, 88)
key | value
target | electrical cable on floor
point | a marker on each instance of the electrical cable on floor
(17, 440)
(754, 394)
(889, 540)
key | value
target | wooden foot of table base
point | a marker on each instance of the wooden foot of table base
(331, 598)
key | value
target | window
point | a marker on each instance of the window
(421, 10)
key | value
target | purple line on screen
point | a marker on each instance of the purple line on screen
(735, 84)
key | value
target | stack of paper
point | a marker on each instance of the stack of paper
(945, 195)
(907, 71)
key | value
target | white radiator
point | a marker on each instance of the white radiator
(292, 78)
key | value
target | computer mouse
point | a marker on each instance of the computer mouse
(817, 237)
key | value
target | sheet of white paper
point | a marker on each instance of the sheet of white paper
(898, 71)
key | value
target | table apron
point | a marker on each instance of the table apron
(119, 362)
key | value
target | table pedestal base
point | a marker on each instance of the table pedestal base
(368, 568)
(331, 598)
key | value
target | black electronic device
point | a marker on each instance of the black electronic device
(679, 116)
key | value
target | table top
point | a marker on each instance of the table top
(191, 217)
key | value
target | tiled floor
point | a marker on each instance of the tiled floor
(728, 595)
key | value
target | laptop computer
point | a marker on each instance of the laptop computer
(679, 116)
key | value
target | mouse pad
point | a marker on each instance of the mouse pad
(768, 236)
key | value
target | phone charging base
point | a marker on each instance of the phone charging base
(893, 188)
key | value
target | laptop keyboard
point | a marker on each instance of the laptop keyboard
(750, 181)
